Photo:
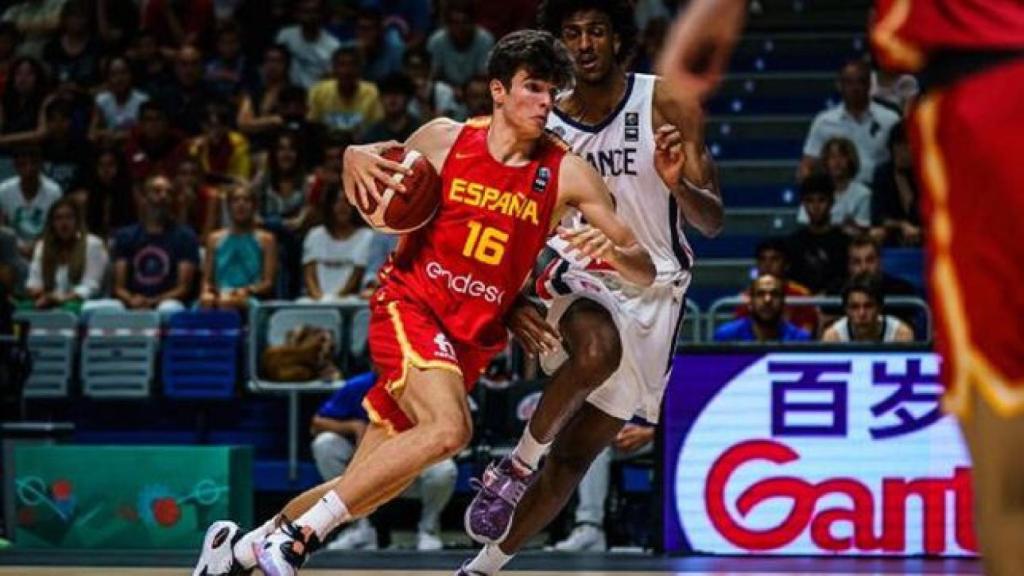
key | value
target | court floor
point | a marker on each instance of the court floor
(93, 571)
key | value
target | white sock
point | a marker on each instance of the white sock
(243, 548)
(489, 561)
(529, 451)
(326, 515)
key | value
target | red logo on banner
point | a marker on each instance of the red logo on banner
(804, 495)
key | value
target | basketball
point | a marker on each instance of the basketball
(397, 212)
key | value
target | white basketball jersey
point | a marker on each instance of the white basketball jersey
(621, 149)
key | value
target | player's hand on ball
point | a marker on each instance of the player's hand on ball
(363, 166)
(531, 329)
(589, 242)
(669, 157)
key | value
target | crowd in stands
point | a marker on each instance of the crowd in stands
(180, 154)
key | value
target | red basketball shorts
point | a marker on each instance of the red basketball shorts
(404, 334)
(968, 140)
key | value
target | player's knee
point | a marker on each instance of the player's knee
(449, 438)
(597, 351)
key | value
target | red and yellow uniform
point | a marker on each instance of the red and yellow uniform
(444, 294)
(967, 133)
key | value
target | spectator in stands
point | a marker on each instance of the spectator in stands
(893, 90)
(221, 151)
(635, 439)
(280, 186)
(259, 113)
(818, 248)
(346, 103)
(153, 146)
(381, 246)
(179, 22)
(865, 257)
(74, 54)
(859, 119)
(773, 259)
(195, 203)
(431, 97)
(335, 255)
(9, 39)
(37, 21)
(63, 149)
(460, 48)
(187, 97)
(13, 268)
(155, 260)
(228, 71)
(500, 18)
(240, 262)
(337, 428)
(381, 48)
(310, 45)
(895, 200)
(69, 264)
(765, 323)
(312, 136)
(117, 21)
(25, 199)
(477, 96)
(851, 204)
(117, 107)
(325, 176)
(397, 124)
(104, 193)
(863, 301)
(151, 70)
(26, 90)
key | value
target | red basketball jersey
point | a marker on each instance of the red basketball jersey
(469, 263)
(905, 32)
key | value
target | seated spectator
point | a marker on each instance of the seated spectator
(635, 439)
(104, 192)
(69, 263)
(155, 260)
(196, 204)
(150, 69)
(858, 119)
(476, 97)
(431, 97)
(773, 259)
(36, 21)
(63, 149)
(397, 124)
(74, 53)
(118, 106)
(153, 146)
(312, 136)
(818, 249)
(864, 256)
(765, 323)
(179, 22)
(187, 96)
(279, 186)
(241, 260)
(221, 151)
(259, 112)
(13, 268)
(326, 175)
(381, 48)
(381, 247)
(228, 71)
(460, 48)
(117, 22)
(25, 199)
(895, 199)
(27, 86)
(337, 429)
(851, 205)
(345, 103)
(311, 47)
(863, 301)
(335, 255)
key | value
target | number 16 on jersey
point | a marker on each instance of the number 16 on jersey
(484, 243)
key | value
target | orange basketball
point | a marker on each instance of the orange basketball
(401, 212)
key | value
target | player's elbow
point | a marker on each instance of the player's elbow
(712, 225)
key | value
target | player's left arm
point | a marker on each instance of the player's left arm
(606, 236)
(683, 162)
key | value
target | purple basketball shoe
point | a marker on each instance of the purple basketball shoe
(489, 515)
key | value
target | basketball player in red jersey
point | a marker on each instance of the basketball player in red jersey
(966, 134)
(437, 317)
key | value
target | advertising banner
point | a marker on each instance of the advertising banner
(813, 453)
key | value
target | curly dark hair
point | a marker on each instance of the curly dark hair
(552, 14)
(538, 52)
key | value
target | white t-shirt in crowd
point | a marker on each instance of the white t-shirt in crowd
(118, 116)
(96, 260)
(869, 134)
(311, 61)
(854, 203)
(27, 217)
(336, 259)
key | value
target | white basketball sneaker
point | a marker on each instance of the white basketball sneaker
(217, 557)
(584, 538)
(360, 536)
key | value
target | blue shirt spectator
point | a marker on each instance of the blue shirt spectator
(742, 330)
(347, 402)
(765, 322)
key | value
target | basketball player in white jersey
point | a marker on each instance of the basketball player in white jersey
(610, 356)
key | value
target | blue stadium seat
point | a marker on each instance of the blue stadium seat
(907, 263)
(200, 354)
